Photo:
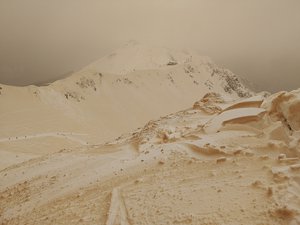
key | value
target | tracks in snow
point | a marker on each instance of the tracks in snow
(67, 135)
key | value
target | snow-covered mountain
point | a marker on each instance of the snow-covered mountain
(116, 94)
(149, 136)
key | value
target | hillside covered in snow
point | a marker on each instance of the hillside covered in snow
(149, 135)
(113, 95)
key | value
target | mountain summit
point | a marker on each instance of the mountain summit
(135, 56)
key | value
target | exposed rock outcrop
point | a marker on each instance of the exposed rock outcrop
(208, 103)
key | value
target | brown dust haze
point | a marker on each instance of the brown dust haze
(43, 40)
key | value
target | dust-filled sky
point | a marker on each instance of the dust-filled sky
(41, 40)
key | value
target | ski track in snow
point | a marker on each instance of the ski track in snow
(66, 135)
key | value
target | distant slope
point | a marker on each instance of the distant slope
(116, 94)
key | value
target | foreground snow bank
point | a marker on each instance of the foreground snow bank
(285, 106)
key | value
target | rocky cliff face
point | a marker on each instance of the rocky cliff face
(231, 82)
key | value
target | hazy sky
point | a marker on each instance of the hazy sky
(258, 39)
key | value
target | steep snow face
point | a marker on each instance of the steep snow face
(285, 106)
(217, 122)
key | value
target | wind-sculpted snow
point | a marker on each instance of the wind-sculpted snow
(171, 171)
(209, 103)
(285, 106)
(237, 115)
(223, 160)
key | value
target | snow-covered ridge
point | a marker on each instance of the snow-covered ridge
(135, 58)
(134, 80)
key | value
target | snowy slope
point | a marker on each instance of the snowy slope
(115, 94)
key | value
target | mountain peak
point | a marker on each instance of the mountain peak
(136, 56)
